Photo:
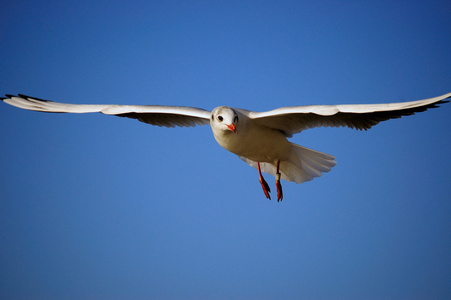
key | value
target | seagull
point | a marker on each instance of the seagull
(258, 138)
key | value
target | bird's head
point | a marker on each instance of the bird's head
(225, 119)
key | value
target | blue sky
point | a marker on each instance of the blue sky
(99, 207)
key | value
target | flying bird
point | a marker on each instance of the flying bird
(258, 138)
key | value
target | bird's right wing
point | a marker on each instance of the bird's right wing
(159, 115)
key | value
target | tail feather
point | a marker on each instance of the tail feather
(303, 165)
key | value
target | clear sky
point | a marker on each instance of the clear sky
(100, 207)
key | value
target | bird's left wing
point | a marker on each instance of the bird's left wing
(294, 119)
(160, 115)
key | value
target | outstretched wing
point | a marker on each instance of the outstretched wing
(291, 120)
(160, 115)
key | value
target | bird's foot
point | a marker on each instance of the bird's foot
(279, 188)
(265, 187)
(263, 182)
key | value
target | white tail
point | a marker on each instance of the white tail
(303, 165)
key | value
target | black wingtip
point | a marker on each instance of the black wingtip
(8, 96)
(29, 97)
(437, 104)
(444, 101)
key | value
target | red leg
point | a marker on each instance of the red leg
(278, 184)
(263, 182)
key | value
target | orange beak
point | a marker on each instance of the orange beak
(232, 127)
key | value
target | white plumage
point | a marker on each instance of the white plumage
(258, 138)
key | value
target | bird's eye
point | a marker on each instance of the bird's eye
(220, 118)
(235, 120)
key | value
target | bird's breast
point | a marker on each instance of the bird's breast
(255, 143)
